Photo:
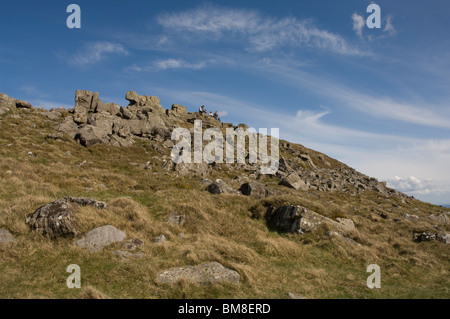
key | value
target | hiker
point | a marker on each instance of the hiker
(202, 109)
(216, 116)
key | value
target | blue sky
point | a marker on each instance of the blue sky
(376, 99)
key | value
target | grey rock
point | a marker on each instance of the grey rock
(219, 187)
(54, 219)
(69, 127)
(176, 218)
(110, 108)
(23, 105)
(6, 237)
(347, 223)
(411, 217)
(133, 244)
(294, 296)
(441, 218)
(86, 202)
(126, 255)
(160, 239)
(429, 236)
(298, 219)
(101, 237)
(294, 181)
(205, 274)
(257, 190)
(6, 103)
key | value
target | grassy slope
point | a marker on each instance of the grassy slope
(218, 228)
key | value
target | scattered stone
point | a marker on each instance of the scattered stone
(219, 187)
(429, 236)
(294, 296)
(176, 218)
(6, 237)
(294, 181)
(204, 274)
(126, 255)
(160, 239)
(9, 172)
(101, 237)
(86, 202)
(257, 190)
(133, 244)
(411, 217)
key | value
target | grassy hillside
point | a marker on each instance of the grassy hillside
(36, 169)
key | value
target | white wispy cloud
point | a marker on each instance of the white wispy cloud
(166, 64)
(94, 52)
(412, 184)
(262, 33)
(358, 24)
(389, 26)
(32, 91)
(377, 106)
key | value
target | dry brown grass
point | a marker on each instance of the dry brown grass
(218, 228)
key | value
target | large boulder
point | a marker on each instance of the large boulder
(294, 181)
(101, 237)
(54, 219)
(204, 274)
(298, 219)
(91, 135)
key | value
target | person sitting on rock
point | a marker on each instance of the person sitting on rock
(210, 113)
(202, 109)
(216, 116)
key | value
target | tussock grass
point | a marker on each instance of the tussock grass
(229, 229)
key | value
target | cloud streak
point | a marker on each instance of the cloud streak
(94, 52)
(261, 32)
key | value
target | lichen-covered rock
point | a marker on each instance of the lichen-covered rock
(54, 219)
(206, 274)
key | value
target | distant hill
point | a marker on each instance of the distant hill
(100, 175)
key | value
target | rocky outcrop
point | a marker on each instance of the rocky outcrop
(204, 274)
(298, 219)
(8, 104)
(101, 237)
